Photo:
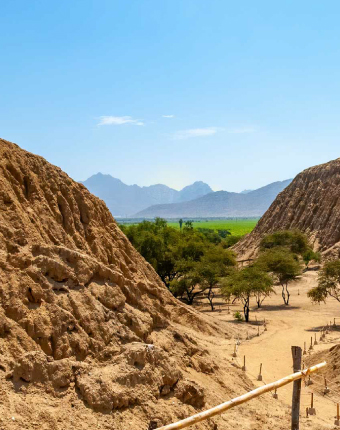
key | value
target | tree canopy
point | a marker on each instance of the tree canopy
(283, 264)
(293, 240)
(189, 261)
(246, 283)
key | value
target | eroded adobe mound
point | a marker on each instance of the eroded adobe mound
(83, 317)
(311, 203)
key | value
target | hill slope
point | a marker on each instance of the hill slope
(125, 200)
(220, 204)
(310, 203)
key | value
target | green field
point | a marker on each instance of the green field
(237, 227)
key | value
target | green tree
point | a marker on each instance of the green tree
(328, 283)
(189, 225)
(180, 223)
(210, 235)
(224, 233)
(283, 264)
(230, 241)
(214, 265)
(204, 274)
(158, 244)
(168, 250)
(246, 283)
(186, 285)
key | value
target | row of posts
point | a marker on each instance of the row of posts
(297, 365)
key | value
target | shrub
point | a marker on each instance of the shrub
(238, 316)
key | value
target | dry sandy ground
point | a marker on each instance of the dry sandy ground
(287, 326)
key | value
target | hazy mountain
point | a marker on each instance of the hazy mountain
(220, 204)
(246, 191)
(125, 200)
(191, 192)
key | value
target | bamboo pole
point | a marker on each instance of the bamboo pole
(217, 410)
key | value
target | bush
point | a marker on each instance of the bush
(293, 240)
(238, 316)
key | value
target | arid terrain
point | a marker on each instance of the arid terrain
(91, 338)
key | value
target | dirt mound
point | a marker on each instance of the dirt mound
(311, 203)
(89, 335)
(331, 372)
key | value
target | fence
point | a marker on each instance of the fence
(217, 410)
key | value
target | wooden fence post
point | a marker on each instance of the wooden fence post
(244, 364)
(297, 358)
(326, 390)
(312, 409)
(337, 419)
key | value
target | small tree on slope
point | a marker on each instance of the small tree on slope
(328, 283)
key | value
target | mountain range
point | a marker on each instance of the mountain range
(194, 201)
(126, 200)
(220, 204)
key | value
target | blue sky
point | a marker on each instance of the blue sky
(237, 94)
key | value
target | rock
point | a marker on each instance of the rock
(191, 393)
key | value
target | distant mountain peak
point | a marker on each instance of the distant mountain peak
(194, 191)
(125, 200)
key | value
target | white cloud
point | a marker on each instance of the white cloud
(119, 120)
(241, 130)
(195, 132)
(168, 116)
